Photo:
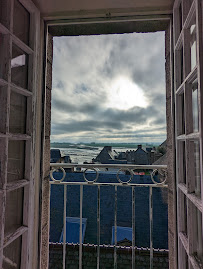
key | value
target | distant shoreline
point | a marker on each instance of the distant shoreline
(94, 146)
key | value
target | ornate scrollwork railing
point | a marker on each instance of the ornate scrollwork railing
(156, 171)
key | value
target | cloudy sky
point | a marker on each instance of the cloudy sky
(109, 88)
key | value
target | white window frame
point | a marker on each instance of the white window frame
(27, 183)
(187, 201)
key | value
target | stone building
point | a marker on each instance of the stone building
(138, 156)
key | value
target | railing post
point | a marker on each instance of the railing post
(133, 227)
(115, 230)
(98, 227)
(64, 226)
(80, 247)
(151, 226)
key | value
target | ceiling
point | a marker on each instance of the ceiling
(62, 8)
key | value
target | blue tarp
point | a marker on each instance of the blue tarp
(73, 230)
(122, 233)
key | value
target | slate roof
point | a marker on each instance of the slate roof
(106, 155)
(162, 160)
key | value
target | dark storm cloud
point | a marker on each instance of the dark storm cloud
(85, 125)
(84, 69)
(68, 107)
(135, 115)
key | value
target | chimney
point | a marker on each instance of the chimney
(139, 146)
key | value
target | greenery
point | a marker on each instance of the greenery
(161, 150)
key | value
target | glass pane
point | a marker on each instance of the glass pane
(182, 163)
(4, 13)
(195, 112)
(181, 111)
(180, 17)
(16, 160)
(183, 255)
(18, 109)
(180, 73)
(185, 215)
(197, 168)
(14, 210)
(21, 23)
(199, 236)
(3, 109)
(19, 67)
(3, 51)
(193, 46)
(181, 66)
(12, 255)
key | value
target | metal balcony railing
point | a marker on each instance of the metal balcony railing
(130, 169)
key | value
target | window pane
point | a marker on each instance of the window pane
(181, 66)
(21, 23)
(180, 17)
(181, 112)
(179, 62)
(12, 255)
(4, 13)
(3, 109)
(185, 215)
(14, 210)
(19, 67)
(3, 51)
(197, 168)
(193, 45)
(199, 236)
(184, 257)
(18, 109)
(16, 160)
(181, 163)
(195, 112)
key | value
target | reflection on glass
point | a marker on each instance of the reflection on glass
(195, 113)
(181, 66)
(19, 67)
(4, 13)
(14, 210)
(182, 162)
(12, 254)
(16, 160)
(197, 168)
(21, 19)
(185, 215)
(3, 65)
(182, 110)
(193, 44)
(199, 236)
(18, 108)
(180, 16)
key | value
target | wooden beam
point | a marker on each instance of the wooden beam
(9, 238)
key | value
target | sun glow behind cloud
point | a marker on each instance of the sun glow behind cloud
(125, 94)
